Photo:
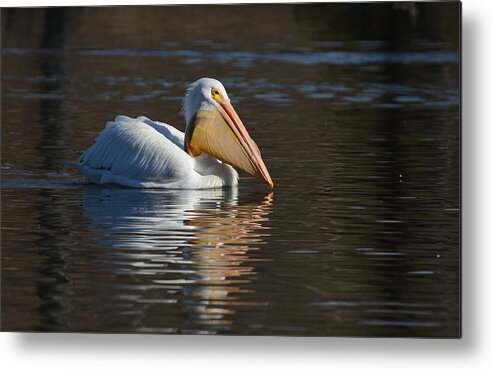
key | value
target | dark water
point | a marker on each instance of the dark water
(356, 111)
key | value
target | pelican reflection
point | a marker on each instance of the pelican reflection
(196, 250)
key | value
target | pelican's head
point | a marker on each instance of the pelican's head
(213, 127)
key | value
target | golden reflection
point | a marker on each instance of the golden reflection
(223, 240)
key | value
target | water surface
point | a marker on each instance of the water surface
(356, 111)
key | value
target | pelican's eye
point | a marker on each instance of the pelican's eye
(216, 95)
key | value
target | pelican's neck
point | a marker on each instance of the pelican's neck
(194, 101)
(215, 173)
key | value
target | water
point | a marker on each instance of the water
(356, 111)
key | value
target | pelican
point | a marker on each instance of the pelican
(142, 153)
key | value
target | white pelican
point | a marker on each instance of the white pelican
(141, 153)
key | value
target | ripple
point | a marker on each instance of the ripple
(246, 57)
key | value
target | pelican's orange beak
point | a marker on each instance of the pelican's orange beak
(221, 134)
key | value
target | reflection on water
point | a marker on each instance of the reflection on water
(195, 244)
(356, 110)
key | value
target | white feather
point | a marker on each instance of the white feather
(148, 154)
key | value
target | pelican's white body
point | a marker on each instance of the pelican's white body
(141, 153)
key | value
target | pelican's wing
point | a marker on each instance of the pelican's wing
(176, 136)
(138, 153)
